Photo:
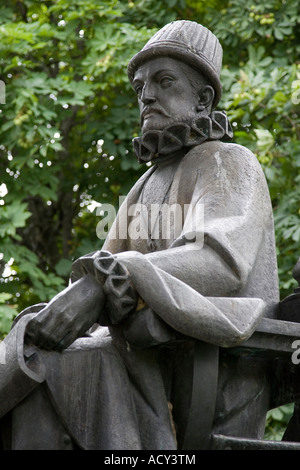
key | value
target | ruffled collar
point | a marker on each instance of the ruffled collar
(180, 135)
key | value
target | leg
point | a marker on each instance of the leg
(36, 425)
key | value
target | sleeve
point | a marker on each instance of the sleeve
(224, 321)
(21, 367)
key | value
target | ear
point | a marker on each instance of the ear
(206, 97)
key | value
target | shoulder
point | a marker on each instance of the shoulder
(225, 151)
(226, 167)
(216, 155)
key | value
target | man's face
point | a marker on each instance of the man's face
(165, 94)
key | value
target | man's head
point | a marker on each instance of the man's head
(176, 74)
(170, 91)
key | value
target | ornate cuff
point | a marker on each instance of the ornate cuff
(121, 295)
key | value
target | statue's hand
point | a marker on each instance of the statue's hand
(68, 316)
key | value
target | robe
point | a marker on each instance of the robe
(210, 280)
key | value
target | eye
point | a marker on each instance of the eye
(166, 81)
(138, 89)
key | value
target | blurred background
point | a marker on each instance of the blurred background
(68, 115)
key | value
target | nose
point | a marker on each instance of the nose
(148, 95)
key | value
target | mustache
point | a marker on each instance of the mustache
(153, 109)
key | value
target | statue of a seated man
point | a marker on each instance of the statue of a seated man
(210, 276)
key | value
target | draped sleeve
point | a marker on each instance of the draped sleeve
(228, 253)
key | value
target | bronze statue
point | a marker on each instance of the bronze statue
(104, 364)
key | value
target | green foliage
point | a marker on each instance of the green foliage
(277, 421)
(70, 115)
(66, 129)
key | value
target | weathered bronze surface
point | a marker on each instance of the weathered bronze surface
(181, 320)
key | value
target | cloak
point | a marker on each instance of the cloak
(210, 281)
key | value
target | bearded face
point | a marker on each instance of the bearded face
(168, 92)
